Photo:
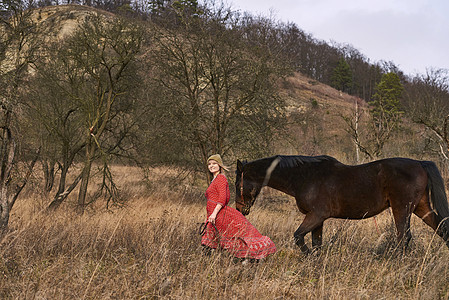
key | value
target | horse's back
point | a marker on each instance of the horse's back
(365, 190)
(399, 175)
(402, 171)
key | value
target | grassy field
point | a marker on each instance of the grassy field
(151, 250)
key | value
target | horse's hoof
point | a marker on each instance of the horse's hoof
(316, 252)
(305, 250)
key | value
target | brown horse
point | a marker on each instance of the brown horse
(325, 188)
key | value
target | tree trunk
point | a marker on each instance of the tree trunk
(90, 152)
(8, 151)
(59, 197)
(63, 193)
(4, 208)
(356, 128)
(48, 168)
(83, 187)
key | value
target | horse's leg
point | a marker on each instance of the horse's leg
(402, 221)
(425, 212)
(317, 237)
(310, 223)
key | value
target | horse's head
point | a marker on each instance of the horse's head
(246, 188)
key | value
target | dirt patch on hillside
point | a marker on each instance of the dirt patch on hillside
(301, 92)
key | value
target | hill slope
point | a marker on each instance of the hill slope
(315, 110)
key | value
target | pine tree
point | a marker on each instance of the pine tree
(385, 108)
(342, 76)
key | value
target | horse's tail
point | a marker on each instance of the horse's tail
(438, 198)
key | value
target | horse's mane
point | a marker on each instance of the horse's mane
(291, 161)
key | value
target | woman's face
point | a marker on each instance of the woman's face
(213, 166)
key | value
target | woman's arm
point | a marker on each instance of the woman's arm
(213, 215)
(221, 184)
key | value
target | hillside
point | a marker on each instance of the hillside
(299, 90)
(314, 109)
(60, 21)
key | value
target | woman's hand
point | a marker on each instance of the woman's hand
(212, 218)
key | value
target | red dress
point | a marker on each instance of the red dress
(235, 232)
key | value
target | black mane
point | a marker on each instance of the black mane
(286, 162)
(291, 161)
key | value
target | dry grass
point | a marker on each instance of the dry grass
(151, 250)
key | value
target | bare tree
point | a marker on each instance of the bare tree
(86, 83)
(18, 46)
(427, 102)
(215, 90)
(55, 120)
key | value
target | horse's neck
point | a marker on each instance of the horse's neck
(281, 181)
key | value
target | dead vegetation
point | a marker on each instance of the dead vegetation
(151, 250)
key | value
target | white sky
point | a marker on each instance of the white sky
(414, 34)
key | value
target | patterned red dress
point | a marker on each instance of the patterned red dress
(235, 232)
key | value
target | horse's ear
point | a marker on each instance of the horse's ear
(239, 166)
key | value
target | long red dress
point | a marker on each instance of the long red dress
(235, 232)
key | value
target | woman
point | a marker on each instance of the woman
(235, 232)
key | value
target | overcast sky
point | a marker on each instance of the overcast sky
(414, 34)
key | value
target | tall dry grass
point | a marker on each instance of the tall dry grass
(150, 249)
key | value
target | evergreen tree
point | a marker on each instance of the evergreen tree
(342, 76)
(385, 108)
